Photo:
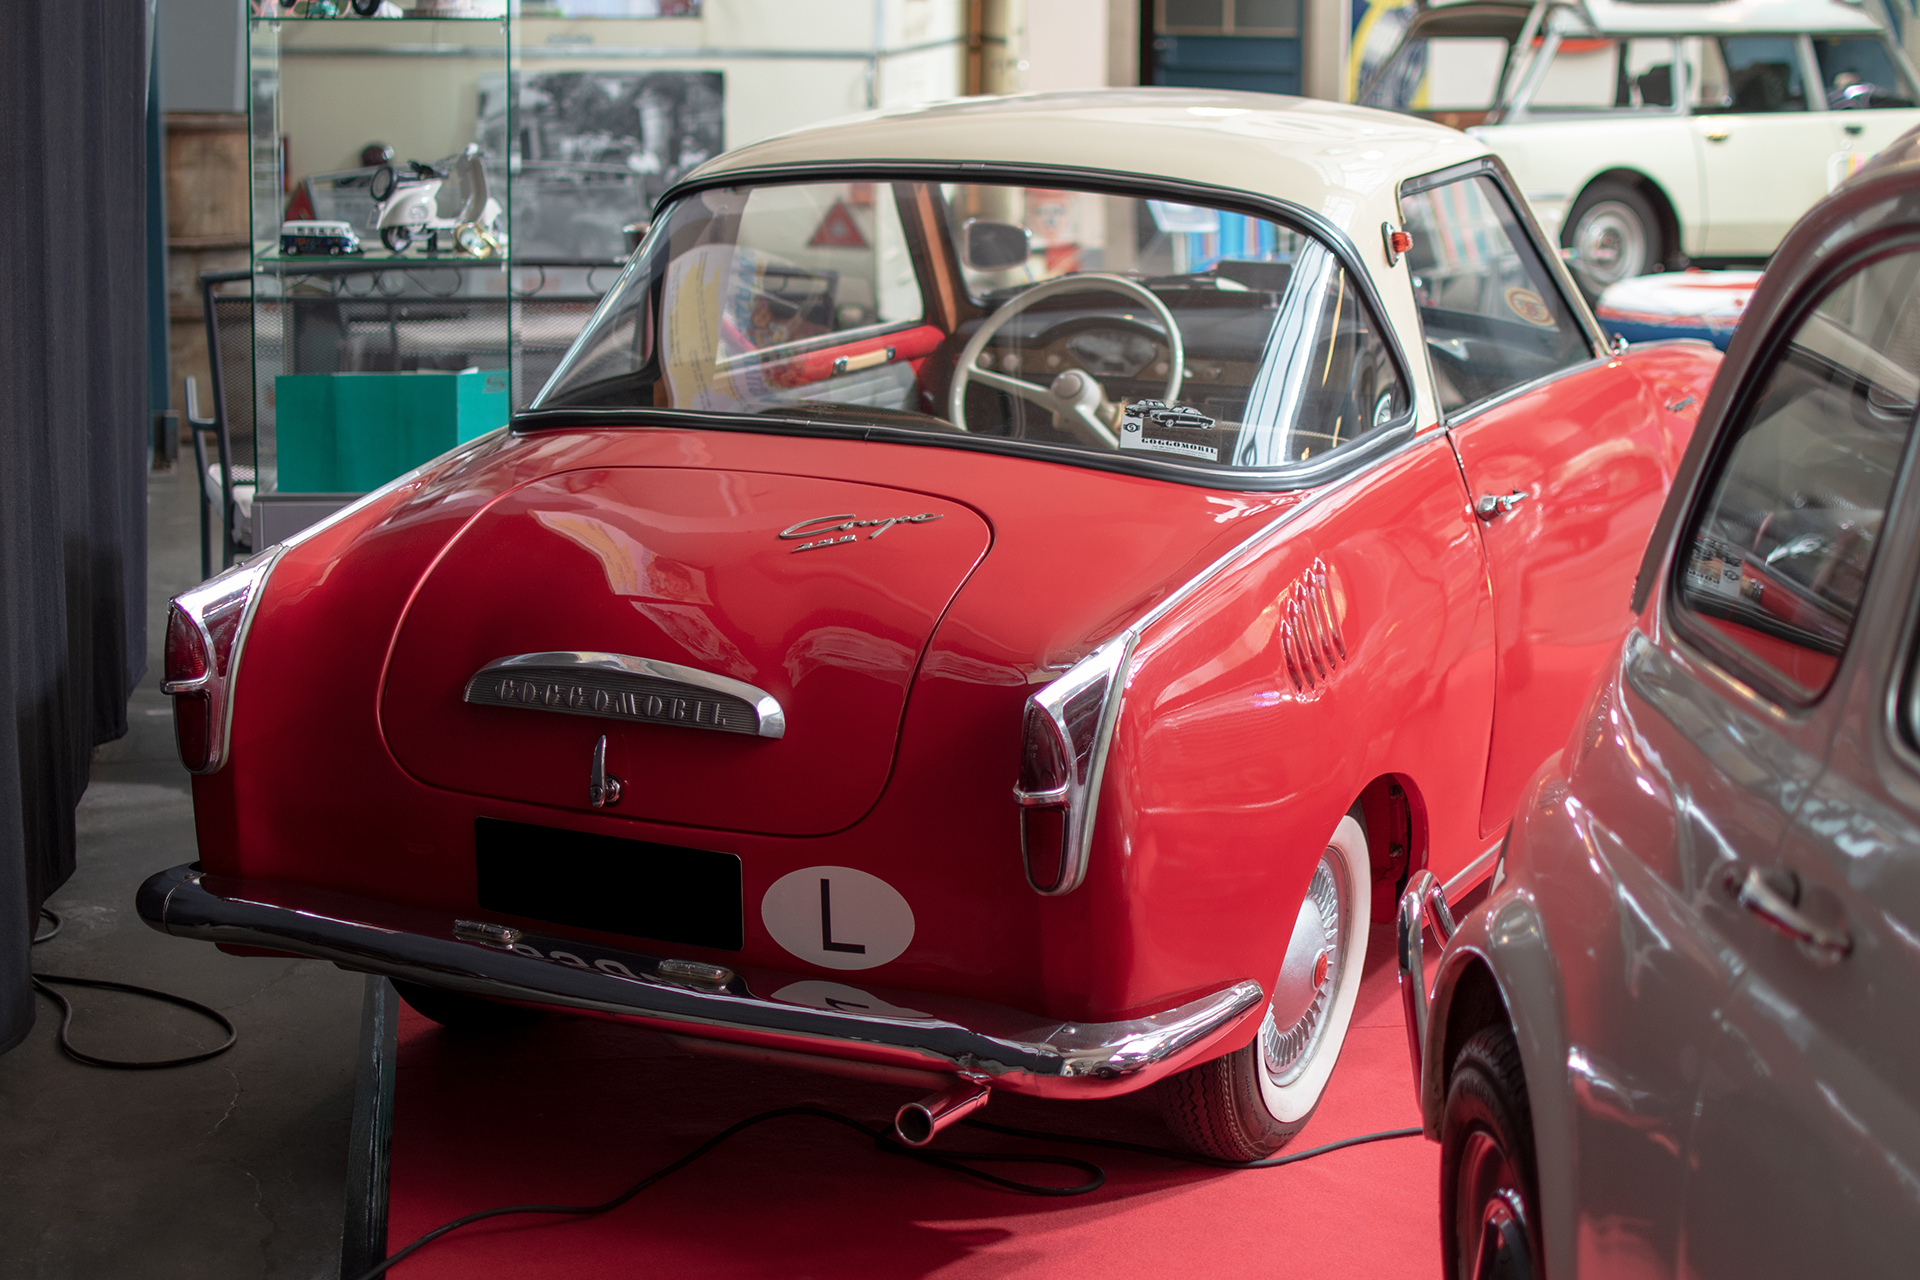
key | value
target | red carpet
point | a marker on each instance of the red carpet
(573, 1112)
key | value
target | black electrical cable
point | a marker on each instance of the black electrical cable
(950, 1160)
(45, 982)
(954, 1161)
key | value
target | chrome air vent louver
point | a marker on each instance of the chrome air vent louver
(1310, 630)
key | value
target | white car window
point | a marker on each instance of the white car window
(1778, 561)
(1592, 74)
(1746, 75)
(1861, 72)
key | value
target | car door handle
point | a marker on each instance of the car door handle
(1776, 900)
(1717, 135)
(1492, 504)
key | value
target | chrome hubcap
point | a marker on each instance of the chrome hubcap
(1610, 244)
(1309, 975)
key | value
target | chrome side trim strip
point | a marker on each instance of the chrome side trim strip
(1474, 872)
(1002, 1047)
(615, 686)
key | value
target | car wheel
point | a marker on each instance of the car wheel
(1246, 1105)
(1614, 234)
(1489, 1219)
(460, 1012)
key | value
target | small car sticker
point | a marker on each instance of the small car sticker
(1153, 426)
(837, 917)
(1528, 305)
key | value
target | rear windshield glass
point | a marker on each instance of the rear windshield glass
(1087, 321)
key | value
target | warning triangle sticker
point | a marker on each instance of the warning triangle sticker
(838, 230)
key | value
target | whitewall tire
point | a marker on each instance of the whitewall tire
(1248, 1104)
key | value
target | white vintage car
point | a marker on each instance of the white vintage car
(1649, 134)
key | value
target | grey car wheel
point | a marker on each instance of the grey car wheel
(1614, 234)
(1489, 1220)
(1246, 1105)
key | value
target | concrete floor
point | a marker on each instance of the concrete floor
(227, 1168)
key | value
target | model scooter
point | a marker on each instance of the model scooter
(405, 205)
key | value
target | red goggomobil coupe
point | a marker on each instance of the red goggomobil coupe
(1000, 596)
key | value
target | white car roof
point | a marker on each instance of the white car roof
(1343, 162)
(1726, 17)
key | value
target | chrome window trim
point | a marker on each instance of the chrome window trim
(1523, 214)
(1309, 222)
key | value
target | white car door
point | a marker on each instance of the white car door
(1870, 95)
(1763, 147)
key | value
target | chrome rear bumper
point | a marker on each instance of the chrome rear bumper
(909, 1032)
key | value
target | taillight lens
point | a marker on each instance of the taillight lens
(205, 629)
(187, 660)
(1065, 734)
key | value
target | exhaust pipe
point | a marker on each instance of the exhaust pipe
(917, 1123)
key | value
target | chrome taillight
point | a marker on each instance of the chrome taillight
(205, 631)
(1062, 755)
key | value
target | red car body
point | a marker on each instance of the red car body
(1365, 642)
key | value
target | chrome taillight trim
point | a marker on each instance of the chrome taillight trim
(1079, 799)
(249, 576)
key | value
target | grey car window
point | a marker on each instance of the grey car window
(1492, 315)
(1777, 562)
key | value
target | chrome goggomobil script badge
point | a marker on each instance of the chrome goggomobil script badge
(614, 686)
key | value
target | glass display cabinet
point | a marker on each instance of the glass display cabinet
(395, 311)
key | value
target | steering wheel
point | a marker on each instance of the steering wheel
(1075, 395)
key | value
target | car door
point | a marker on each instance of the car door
(1564, 453)
(1805, 1154)
(1870, 95)
(1762, 145)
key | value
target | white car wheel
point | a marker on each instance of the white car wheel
(1246, 1105)
(1614, 235)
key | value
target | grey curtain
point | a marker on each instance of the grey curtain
(73, 416)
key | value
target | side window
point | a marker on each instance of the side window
(1777, 559)
(1492, 313)
(1746, 74)
(1860, 71)
(1607, 75)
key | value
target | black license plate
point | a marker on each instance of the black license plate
(605, 883)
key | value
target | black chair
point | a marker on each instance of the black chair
(223, 456)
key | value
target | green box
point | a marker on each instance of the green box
(352, 432)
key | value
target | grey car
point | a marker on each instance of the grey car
(1681, 1034)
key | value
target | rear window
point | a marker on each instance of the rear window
(1090, 322)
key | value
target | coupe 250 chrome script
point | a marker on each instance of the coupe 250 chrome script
(821, 529)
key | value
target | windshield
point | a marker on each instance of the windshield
(1083, 320)
(1453, 69)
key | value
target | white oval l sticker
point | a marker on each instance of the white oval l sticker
(837, 917)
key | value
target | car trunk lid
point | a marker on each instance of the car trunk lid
(651, 605)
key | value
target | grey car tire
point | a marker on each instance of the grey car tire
(1248, 1104)
(1615, 235)
(459, 1012)
(1489, 1188)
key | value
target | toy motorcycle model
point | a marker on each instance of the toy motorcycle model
(405, 206)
